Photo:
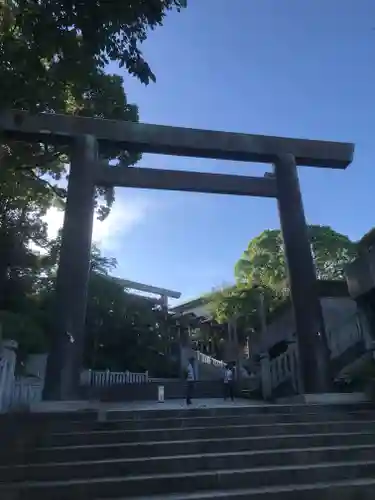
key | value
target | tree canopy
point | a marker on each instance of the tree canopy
(124, 331)
(264, 260)
(261, 270)
(55, 58)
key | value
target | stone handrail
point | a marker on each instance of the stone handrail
(285, 367)
(26, 390)
(279, 370)
(209, 360)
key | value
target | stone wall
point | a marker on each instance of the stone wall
(336, 312)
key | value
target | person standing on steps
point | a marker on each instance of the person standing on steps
(228, 383)
(190, 379)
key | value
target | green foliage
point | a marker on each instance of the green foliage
(53, 59)
(261, 274)
(24, 329)
(63, 40)
(332, 251)
(54, 56)
(243, 301)
(125, 331)
(264, 260)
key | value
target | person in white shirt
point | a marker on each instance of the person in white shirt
(228, 383)
(190, 379)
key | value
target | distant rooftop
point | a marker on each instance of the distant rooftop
(190, 304)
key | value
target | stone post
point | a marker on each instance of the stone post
(314, 355)
(64, 361)
(185, 350)
(266, 382)
(8, 349)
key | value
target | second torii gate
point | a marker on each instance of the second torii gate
(141, 287)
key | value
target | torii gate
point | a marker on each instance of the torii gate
(85, 135)
(141, 287)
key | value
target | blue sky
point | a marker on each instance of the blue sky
(279, 67)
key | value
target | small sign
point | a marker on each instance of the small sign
(161, 393)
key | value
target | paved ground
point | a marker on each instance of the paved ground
(65, 406)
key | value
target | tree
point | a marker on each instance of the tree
(44, 36)
(53, 59)
(242, 301)
(264, 260)
(262, 270)
(54, 56)
(123, 330)
(126, 331)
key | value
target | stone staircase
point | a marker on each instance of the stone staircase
(242, 452)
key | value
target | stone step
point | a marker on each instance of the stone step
(190, 447)
(148, 485)
(360, 489)
(194, 433)
(206, 421)
(236, 409)
(90, 415)
(55, 417)
(185, 463)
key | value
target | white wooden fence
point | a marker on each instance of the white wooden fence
(20, 392)
(108, 378)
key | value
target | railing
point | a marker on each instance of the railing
(209, 360)
(108, 378)
(279, 370)
(7, 368)
(26, 391)
(284, 367)
(341, 337)
(16, 392)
